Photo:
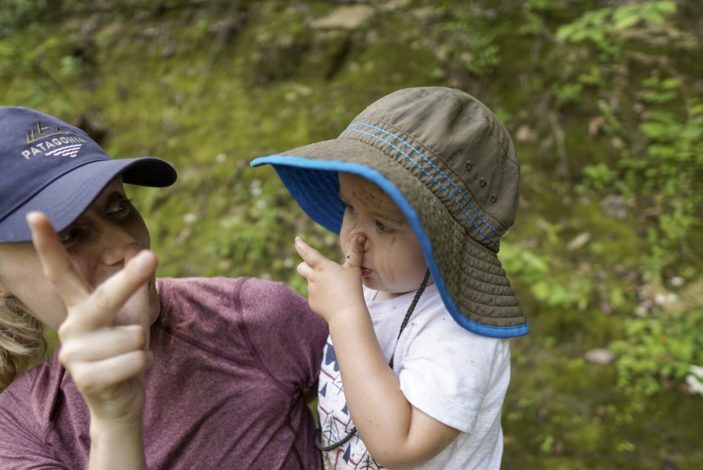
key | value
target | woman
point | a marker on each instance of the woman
(161, 373)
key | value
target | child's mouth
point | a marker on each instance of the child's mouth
(365, 272)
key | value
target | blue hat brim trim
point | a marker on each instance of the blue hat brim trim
(317, 193)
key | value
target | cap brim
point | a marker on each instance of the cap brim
(478, 294)
(66, 198)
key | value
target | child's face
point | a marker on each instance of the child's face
(393, 262)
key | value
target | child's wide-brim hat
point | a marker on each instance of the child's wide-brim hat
(53, 167)
(450, 166)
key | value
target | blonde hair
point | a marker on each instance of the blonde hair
(22, 343)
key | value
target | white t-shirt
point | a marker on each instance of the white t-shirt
(455, 376)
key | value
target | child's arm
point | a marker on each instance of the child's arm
(396, 433)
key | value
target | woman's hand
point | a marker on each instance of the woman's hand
(106, 361)
(333, 289)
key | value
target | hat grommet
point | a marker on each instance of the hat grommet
(482, 182)
(469, 166)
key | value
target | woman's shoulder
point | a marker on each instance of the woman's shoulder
(220, 303)
(32, 397)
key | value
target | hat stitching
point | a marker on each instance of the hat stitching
(490, 274)
(469, 217)
(481, 270)
(492, 126)
(433, 155)
(501, 296)
(500, 138)
(473, 305)
(438, 170)
(466, 230)
(482, 276)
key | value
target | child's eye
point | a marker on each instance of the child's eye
(349, 209)
(383, 228)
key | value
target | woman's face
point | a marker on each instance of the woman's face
(98, 243)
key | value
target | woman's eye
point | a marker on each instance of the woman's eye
(120, 208)
(70, 236)
(349, 209)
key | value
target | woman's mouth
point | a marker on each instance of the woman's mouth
(365, 272)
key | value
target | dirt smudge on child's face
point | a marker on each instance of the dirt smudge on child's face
(378, 202)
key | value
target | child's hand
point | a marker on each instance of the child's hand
(332, 288)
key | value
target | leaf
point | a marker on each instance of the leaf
(625, 20)
(671, 83)
(653, 130)
(666, 6)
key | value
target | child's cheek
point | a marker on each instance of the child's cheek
(388, 262)
(345, 234)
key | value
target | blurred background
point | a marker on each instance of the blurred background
(604, 101)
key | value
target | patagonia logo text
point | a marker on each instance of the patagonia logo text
(52, 142)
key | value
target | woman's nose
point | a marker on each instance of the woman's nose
(119, 247)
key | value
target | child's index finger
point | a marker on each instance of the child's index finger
(309, 254)
(355, 255)
(55, 261)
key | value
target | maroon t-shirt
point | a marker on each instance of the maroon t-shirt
(232, 358)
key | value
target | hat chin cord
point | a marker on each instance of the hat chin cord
(408, 314)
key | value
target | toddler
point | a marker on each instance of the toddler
(420, 187)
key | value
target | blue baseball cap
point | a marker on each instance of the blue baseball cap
(50, 166)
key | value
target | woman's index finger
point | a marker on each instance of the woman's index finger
(69, 283)
(112, 295)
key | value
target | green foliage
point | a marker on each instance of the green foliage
(464, 44)
(48, 59)
(600, 177)
(547, 444)
(545, 276)
(658, 350)
(18, 14)
(656, 166)
(604, 28)
(660, 169)
(659, 163)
